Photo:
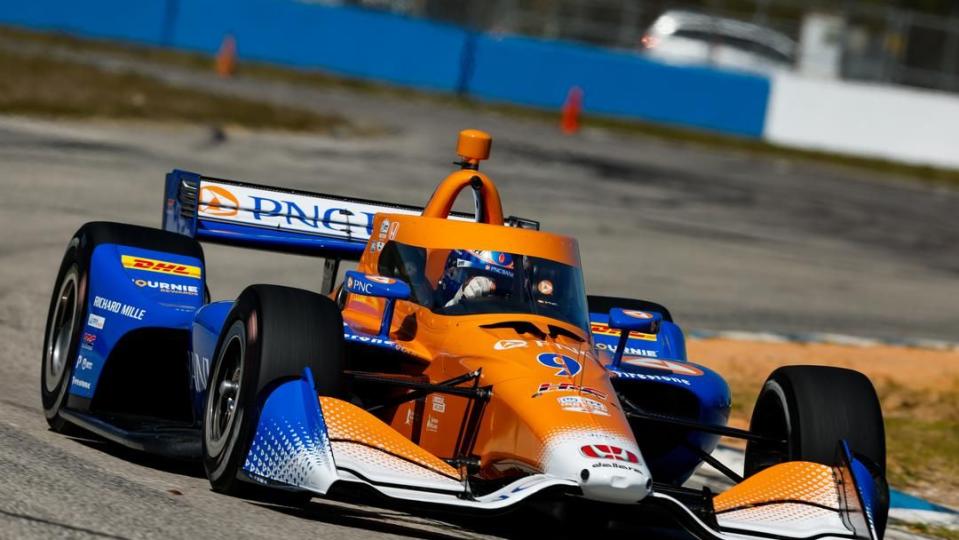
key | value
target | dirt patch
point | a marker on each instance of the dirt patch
(918, 388)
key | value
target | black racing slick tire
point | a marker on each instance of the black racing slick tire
(812, 408)
(269, 336)
(67, 315)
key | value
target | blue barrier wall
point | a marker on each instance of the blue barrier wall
(351, 41)
(413, 52)
(540, 73)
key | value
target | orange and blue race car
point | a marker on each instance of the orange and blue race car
(462, 363)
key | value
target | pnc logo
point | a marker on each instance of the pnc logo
(218, 201)
(162, 267)
(606, 451)
(568, 367)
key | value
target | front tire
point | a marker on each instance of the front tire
(812, 408)
(269, 336)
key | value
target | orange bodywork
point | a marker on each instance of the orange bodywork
(525, 411)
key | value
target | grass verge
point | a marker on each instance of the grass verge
(712, 140)
(40, 86)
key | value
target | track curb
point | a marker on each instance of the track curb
(823, 337)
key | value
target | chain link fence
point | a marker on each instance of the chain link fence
(867, 41)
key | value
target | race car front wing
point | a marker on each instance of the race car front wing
(309, 443)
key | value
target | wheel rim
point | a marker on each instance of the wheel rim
(60, 331)
(225, 390)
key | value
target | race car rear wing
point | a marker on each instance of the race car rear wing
(276, 219)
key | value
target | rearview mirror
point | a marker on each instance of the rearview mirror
(372, 285)
(631, 320)
(389, 288)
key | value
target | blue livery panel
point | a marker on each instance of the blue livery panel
(660, 358)
(132, 288)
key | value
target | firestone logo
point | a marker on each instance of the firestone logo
(606, 451)
(218, 201)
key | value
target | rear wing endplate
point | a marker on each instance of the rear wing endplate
(276, 219)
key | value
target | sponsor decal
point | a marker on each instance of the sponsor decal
(409, 416)
(439, 404)
(582, 404)
(83, 364)
(568, 367)
(96, 321)
(678, 368)
(114, 306)
(384, 229)
(545, 287)
(637, 314)
(647, 377)
(162, 267)
(608, 451)
(217, 201)
(365, 287)
(80, 382)
(432, 424)
(630, 351)
(172, 288)
(376, 246)
(569, 387)
(200, 374)
(615, 465)
(372, 340)
(313, 214)
(604, 330)
(394, 228)
(508, 344)
(88, 340)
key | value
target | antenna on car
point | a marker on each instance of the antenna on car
(472, 146)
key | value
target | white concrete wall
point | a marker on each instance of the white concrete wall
(889, 122)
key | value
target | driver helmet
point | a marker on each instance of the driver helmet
(462, 265)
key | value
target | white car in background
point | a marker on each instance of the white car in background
(685, 37)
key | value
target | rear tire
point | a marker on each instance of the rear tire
(269, 336)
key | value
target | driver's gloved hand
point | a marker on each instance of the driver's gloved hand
(476, 287)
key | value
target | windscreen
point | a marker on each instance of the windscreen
(465, 282)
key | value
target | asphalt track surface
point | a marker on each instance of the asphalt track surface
(727, 241)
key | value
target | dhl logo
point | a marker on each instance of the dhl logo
(162, 267)
(604, 330)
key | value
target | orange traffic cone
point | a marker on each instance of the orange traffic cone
(226, 57)
(572, 108)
